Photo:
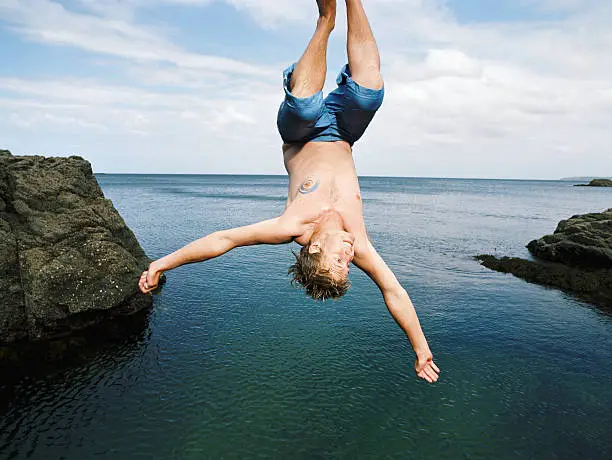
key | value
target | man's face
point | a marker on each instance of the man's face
(337, 252)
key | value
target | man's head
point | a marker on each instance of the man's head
(322, 266)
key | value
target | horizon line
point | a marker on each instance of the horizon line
(563, 179)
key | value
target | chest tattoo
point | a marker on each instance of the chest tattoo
(309, 185)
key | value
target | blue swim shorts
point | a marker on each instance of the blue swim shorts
(343, 115)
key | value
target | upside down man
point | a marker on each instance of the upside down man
(324, 210)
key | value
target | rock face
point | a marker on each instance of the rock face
(576, 258)
(582, 241)
(67, 259)
(597, 183)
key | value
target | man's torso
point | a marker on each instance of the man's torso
(322, 178)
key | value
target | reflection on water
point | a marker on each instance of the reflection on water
(26, 358)
(236, 363)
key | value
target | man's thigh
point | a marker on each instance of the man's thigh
(301, 119)
(353, 105)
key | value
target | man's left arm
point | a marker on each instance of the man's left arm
(401, 308)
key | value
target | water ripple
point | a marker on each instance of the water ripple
(236, 363)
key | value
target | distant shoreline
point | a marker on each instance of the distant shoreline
(584, 179)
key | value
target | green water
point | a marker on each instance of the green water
(235, 363)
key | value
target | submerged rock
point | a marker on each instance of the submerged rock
(577, 258)
(67, 259)
(597, 183)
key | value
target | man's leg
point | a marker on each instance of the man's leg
(360, 90)
(309, 74)
(363, 57)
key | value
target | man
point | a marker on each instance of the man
(324, 210)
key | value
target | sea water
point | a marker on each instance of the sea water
(236, 363)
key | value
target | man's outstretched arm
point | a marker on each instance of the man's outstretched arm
(401, 308)
(273, 231)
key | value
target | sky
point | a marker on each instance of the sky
(477, 89)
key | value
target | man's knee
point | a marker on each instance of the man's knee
(303, 91)
(368, 77)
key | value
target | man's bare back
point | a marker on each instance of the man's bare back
(324, 212)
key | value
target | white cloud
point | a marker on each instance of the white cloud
(274, 13)
(51, 23)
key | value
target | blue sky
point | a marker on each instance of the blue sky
(509, 89)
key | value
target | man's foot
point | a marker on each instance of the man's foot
(327, 12)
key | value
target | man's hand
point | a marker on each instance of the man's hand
(149, 280)
(426, 368)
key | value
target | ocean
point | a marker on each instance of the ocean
(233, 362)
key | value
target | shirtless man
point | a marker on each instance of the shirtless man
(324, 210)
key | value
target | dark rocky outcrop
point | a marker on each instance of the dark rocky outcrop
(577, 258)
(582, 241)
(67, 259)
(597, 183)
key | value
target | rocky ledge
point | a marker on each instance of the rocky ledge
(576, 258)
(67, 258)
(597, 183)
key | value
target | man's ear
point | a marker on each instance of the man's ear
(314, 248)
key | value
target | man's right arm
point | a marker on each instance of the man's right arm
(273, 231)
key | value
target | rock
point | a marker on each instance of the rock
(582, 241)
(597, 183)
(577, 258)
(67, 259)
(594, 286)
